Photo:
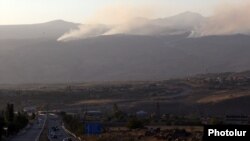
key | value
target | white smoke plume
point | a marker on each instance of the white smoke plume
(84, 31)
(113, 19)
(116, 19)
(227, 19)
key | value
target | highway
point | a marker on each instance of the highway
(55, 121)
(32, 132)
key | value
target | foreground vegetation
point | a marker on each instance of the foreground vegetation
(73, 123)
(10, 122)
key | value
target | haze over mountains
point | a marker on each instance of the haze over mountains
(140, 26)
(49, 30)
(158, 50)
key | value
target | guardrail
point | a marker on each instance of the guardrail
(69, 132)
(49, 138)
(44, 123)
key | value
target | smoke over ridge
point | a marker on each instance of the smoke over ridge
(226, 19)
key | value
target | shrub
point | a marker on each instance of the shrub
(135, 123)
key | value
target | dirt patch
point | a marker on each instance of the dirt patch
(97, 102)
(219, 97)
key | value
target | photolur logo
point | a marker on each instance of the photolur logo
(235, 133)
(226, 132)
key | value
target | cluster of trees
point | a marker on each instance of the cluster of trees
(73, 123)
(135, 123)
(117, 114)
(11, 121)
(1, 127)
(132, 122)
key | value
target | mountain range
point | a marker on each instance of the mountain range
(161, 50)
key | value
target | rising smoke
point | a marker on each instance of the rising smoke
(113, 19)
(226, 19)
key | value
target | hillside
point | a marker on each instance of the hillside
(120, 57)
(32, 54)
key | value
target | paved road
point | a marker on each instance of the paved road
(31, 133)
(55, 121)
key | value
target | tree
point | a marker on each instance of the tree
(115, 108)
(135, 123)
(12, 121)
(9, 118)
(117, 113)
(20, 121)
(1, 126)
(33, 116)
(9, 113)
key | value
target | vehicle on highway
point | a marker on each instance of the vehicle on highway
(55, 128)
(67, 139)
(52, 134)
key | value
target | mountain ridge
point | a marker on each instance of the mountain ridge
(121, 58)
(33, 54)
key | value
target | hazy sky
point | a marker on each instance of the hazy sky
(36, 11)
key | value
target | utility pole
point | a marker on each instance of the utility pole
(158, 113)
